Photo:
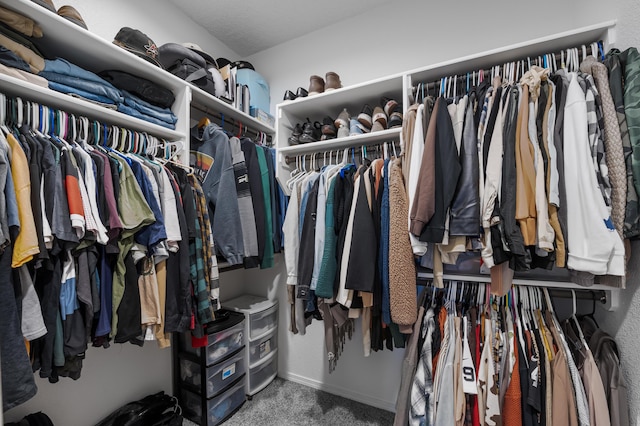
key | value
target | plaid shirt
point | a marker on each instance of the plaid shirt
(210, 260)
(197, 260)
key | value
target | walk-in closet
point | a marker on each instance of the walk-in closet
(388, 212)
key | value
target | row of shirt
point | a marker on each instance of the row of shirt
(533, 174)
(498, 362)
(89, 237)
(539, 170)
(246, 203)
(347, 254)
(100, 245)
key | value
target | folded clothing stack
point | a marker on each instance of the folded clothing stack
(65, 77)
(21, 59)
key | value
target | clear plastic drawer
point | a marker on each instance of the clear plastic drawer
(219, 408)
(263, 347)
(263, 374)
(219, 375)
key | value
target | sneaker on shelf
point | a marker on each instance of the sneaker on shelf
(377, 127)
(343, 119)
(343, 131)
(329, 127)
(316, 85)
(395, 120)
(389, 105)
(355, 128)
(365, 116)
(332, 81)
(310, 132)
(289, 96)
(379, 116)
(294, 139)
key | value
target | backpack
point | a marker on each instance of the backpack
(153, 410)
(187, 65)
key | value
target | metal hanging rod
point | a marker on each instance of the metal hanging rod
(560, 59)
(566, 293)
(236, 125)
(377, 148)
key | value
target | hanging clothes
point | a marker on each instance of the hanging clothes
(526, 373)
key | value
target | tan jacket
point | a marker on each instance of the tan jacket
(424, 203)
(402, 270)
(36, 63)
(20, 23)
(525, 174)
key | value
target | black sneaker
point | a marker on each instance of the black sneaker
(328, 127)
(294, 139)
(365, 116)
(395, 120)
(389, 105)
(289, 96)
(310, 132)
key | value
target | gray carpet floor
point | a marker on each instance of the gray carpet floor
(285, 403)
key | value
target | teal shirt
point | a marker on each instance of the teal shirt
(328, 265)
(267, 259)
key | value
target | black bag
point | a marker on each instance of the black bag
(188, 65)
(191, 72)
(153, 410)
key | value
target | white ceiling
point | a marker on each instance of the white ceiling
(248, 27)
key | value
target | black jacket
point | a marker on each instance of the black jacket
(465, 211)
(364, 246)
(512, 234)
(307, 243)
(257, 193)
(447, 174)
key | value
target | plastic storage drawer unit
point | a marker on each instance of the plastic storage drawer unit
(224, 338)
(262, 322)
(262, 314)
(218, 409)
(261, 375)
(263, 347)
(219, 375)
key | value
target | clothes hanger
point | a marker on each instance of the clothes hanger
(204, 122)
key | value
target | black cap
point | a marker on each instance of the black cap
(138, 43)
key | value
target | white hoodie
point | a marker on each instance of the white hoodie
(594, 245)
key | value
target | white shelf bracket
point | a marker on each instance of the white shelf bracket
(613, 300)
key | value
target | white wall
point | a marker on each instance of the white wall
(407, 34)
(160, 20)
(373, 380)
(110, 378)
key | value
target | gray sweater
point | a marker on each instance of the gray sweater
(211, 157)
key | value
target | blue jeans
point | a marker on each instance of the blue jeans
(87, 95)
(64, 67)
(135, 113)
(103, 89)
(163, 114)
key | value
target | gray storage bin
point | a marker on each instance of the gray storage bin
(217, 409)
(263, 374)
(221, 343)
(219, 375)
(263, 347)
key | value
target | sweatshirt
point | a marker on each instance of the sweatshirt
(594, 245)
(211, 156)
